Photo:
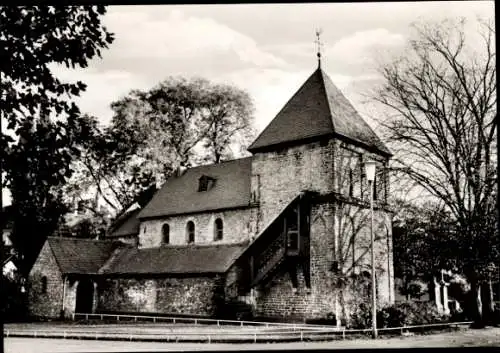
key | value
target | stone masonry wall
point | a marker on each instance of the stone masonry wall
(284, 174)
(166, 295)
(124, 294)
(236, 228)
(48, 304)
(336, 228)
(332, 240)
(276, 299)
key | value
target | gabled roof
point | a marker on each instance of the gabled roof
(180, 195)
(183, 259)
(80, 256)
(126, 225)
(317, 109)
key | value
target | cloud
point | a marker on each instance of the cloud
(360, 46)
(170, 33)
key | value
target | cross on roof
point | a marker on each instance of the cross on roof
(319, 45)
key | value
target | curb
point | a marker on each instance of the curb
(243, 338)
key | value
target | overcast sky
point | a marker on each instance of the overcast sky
(267, 49)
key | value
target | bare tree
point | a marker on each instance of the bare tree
(444, 132)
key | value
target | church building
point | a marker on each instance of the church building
(286, 230)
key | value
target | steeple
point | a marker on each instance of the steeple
(317, 109)
(318, 45)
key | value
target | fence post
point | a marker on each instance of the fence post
(86, 317)
(174, 320)
(301, 335)
(218, 322)
(196, 321)
(241, 324)
(255, 338)
(343, 333)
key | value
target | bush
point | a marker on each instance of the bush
(397, 315)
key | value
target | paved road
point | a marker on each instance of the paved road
(489, 337)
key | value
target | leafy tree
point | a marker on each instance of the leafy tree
(179, 123)
(38, 149)
(444, 95)
(424, 242)
(179, 117)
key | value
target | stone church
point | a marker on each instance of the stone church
(286, 231)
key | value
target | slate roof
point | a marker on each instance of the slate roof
(185, 259)
(80, 256)
(126, 225)
(180, 195)
(318, 108)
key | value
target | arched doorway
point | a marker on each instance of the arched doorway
(84, 296)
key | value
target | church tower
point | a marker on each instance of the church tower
(313, 223)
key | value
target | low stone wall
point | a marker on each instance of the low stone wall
(197, 295)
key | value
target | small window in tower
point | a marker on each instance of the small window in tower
(293, 240)
(351, 183)
(375, 192)
(44, 285)
(165, 231)
(219, 229)
(190, 232)
(293, 220)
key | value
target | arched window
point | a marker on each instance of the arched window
(218, 229)
(165, 232)
(190, 232)
(44, 285)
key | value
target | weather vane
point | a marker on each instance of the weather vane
(318, 45)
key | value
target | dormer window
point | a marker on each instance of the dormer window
(205, 183)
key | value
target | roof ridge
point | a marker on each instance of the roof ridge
(322, 75)
(278, 113)
(80, 239)
(217, 164)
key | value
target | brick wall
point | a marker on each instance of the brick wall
(48, 304)
(236, 228)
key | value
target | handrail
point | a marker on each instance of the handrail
(271, 263)
(262, 323)
(175, 319)
(210, 336)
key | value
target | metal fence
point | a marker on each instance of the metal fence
(283, 334)
(195, 321)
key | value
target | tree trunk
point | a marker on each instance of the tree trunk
(477, 304)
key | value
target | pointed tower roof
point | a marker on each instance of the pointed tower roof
(317, 109)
